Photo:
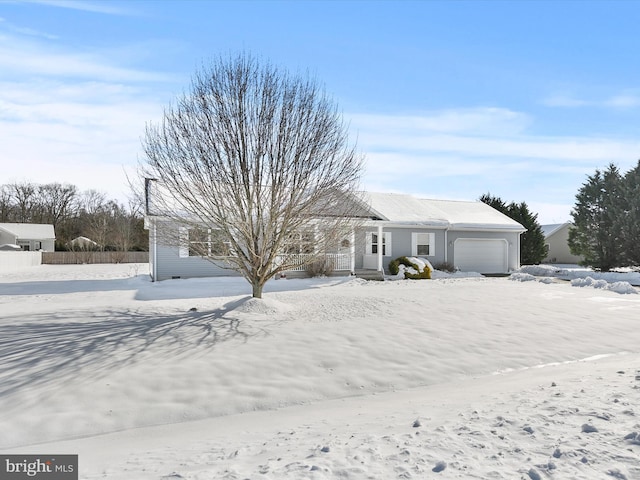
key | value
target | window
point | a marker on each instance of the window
(203, 242)
(183, 234)
(198, 242)
(373, 244)
(423, 244)
(300, 243)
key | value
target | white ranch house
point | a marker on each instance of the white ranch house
(28, 236)
(471, 236)
(556, 239)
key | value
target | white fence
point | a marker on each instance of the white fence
(336, 261)
(13, 260)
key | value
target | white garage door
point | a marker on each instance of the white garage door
(481, 255)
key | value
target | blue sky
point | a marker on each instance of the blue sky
(450, 99)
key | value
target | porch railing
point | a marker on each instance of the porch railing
(336, 261)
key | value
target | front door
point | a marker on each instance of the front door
(374, 246)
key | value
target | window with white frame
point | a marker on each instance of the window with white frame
(423, 244)
(374, 244)
(199, 241)
(203, 242)
(300, 243)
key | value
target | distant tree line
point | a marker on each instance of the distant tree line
(532, 244)
(606, 219)
(108, 223)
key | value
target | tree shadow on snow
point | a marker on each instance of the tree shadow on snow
(41, 351)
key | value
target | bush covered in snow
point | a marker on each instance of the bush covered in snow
(527, 277)
(522, 277)
(543, 270)
(414, 268)
(619, 282)
(618, 287)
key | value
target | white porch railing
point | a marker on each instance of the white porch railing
(336, 261)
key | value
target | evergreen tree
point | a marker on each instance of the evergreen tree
(532, 245)
(597, 234)
(495, 202)
(629, 216)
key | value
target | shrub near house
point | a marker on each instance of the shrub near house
(414, 268)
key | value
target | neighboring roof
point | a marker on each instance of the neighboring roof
(406, 209)
(82, 239)
(550, 229)
(30, 231)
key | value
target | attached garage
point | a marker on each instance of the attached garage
(482, 255)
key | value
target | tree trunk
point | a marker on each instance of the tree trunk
(257, 289)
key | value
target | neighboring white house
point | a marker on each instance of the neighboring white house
(28, 236)
(83, 243)
(556, 239)
(471, 236)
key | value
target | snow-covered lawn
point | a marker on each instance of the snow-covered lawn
(324, 378)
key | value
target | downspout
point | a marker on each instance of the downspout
(446, 245)
(154, 272)
(352, 252)
(380, 248)
(147, 208)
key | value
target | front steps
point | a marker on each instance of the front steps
(370, 275)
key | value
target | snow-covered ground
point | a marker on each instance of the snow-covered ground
(324, 378)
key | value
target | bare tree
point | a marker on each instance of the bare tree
(6, 204)
(124, 221)
(256, 163)
(55, 202)
(24, 195)
(96, 222)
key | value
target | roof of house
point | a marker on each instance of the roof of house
(403, 209)
(30, 231)
(82, 241)
(407, 209)
(550, 229)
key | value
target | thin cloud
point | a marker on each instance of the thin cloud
(33, 33)
(479, 121)
(620, 101)
(86, 133)
(493, 133)
(104, 7)
(623, 101)
(464, 153)
(25, 30)
(19, 57)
